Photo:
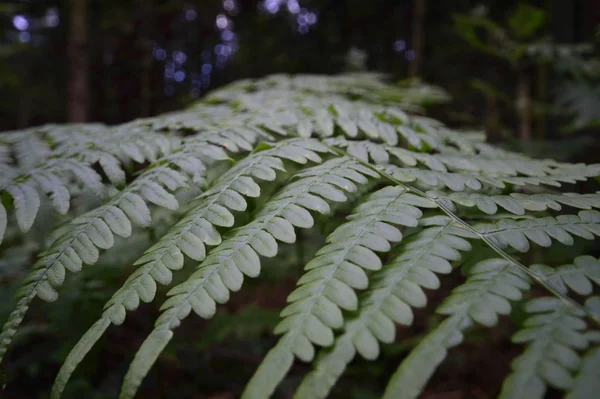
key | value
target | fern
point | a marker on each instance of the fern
(332, 275)
(517, 234)
(579, 276)
(393, 290)
(86, 234)
(240, 172)
(586, 382)
(480, 299)
(518, 204)
(553, 335)
(189, 236)
(73, 157)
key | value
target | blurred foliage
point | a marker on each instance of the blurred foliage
(509, 43)
(524, 41)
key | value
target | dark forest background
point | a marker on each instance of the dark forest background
(113, 61)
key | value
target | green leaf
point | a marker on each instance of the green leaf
(272, 370)
(586, 383)
(27, 203)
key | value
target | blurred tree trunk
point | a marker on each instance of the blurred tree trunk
(78, 62)
(523, 106)
(145, 44)
(417, 37)
(24, 114)
(24, 109)
(542, 99)
(564, 23)
(492, 120)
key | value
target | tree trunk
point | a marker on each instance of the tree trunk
(145, 45)
(523, 106)
(24, 110)
(542, 99)
(78, 62)
(492, 120)
(417, 37)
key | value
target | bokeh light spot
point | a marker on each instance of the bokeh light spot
(222, 21)
(160, 54)
(24, 37)
(51, 19)
(20, 22)
(179, 57)
(191, 15)
(179, 76)
(399, 45)
(227, 35)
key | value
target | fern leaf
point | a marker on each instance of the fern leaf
(86, 342)
(366, 151)
(553, 334)
(223, 269)
(411, 377)
(517, 233)
(518, 204)
(312, 115)
(587, 383)
(85, 235)
(485, 294)
(51, 178)
(338, 269)
(27, 203)
(190, 235)
(31, 150)
(392, 292)
(362, 134)
(460, 181)
(578, 276)
(73, 158)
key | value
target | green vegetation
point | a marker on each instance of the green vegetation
(340, 175)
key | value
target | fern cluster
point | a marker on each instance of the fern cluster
(422, 200)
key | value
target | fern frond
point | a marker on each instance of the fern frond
(578, 276)
(366, 85)
(53, 177)
(553, 335)
(190, 235)
(313, 115)
(362, 135)
(587, 384)
(334, 273)
(31, 150)
(87, 234)
(518, 233)
(366, 151)
(518, 203)
(74, 157)
(223, 269)
(460, 181)
(485, 295)
(393, 290)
